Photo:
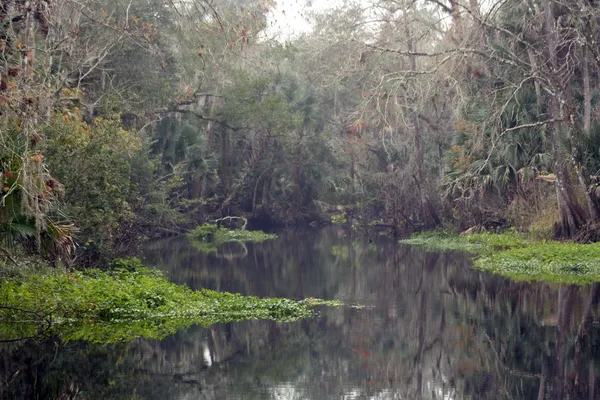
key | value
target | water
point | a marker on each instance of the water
(416, 325)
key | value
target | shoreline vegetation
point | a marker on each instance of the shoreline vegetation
(126, 300)
(124, 303)
(208, 237)
(518, 257)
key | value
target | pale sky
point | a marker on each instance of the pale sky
(288, 17)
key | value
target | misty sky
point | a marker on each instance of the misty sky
(289, 18)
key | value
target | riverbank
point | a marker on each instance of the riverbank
(519, 257)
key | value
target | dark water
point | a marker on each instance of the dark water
(421, 326)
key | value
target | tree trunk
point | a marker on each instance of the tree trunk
(536, 82)
(224, 161)
(352, 171)
(571, 215)
(430, 214)
(297, 170)
(456, 17)
(210, 127)
(196, 188)
(593, 208)
(259, 189)
(587, 97)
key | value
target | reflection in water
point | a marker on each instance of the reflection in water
(436, 330)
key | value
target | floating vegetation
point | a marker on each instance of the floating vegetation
(314, 302)
(361, 307)
(121, 305)
(473, 243)
(553, 261)
(512, 255)
(208, 237)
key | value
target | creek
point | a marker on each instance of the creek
(414, 325)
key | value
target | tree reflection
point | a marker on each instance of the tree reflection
(436, 330)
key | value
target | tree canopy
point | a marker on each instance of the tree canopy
(123, 120)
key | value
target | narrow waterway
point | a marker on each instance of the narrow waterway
(415, 325)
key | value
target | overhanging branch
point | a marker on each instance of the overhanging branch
(438, 53)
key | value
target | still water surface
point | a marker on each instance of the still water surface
(416, 325)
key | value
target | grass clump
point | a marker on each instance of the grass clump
(215, 235)
(120, 305)
(553, 261)
(473, 243)
(516, 257)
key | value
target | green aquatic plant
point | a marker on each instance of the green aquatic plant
(120, 305)
(514, 256)
(548, 261)
(473, 243)
(213, 234)
(314, 302)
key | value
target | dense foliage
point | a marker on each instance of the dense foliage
(122, 123)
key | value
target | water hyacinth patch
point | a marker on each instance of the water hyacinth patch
(548, 261)
(473, 243)
(213, 234)
(514, 256)
(121, 305)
